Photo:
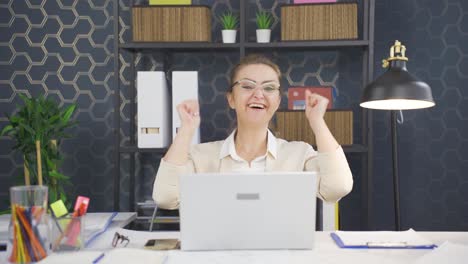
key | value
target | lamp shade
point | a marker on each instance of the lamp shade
(397, 89)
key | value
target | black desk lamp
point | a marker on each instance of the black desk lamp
(396, 89)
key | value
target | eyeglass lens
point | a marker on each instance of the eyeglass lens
(269, 87)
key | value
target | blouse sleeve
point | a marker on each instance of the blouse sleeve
(166, 184)
(334, 175)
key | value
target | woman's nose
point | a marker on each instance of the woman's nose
(258, 92)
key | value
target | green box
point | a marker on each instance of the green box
(170, 2)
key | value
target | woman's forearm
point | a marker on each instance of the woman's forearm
(324, 139)
(179, 150)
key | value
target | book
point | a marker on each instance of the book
(296, 96)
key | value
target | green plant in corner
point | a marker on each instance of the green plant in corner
(40, 124)
(264, 20)
(229, 20)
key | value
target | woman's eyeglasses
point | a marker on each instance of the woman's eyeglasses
(249, 86)
(120, 240)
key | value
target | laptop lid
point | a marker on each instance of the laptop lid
(223, 211)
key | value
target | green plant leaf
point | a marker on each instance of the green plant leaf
(264, 20)
(68, 113)
(6, 129)
(58, 175)
(29, 129)
(229, 20)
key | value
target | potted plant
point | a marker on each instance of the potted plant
(229, 22)
(264, 21)
(38, 128)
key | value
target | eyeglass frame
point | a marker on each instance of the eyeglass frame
(257, 85)
(122, 239)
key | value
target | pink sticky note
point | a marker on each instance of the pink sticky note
(78, 205)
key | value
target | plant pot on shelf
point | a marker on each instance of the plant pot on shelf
(263, 35)
(229, 35)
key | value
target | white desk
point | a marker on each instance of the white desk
(120, 220)
(325, 250)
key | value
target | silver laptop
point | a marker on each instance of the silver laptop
(224, 211)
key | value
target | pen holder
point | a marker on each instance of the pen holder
(29, 225)
(67, 233)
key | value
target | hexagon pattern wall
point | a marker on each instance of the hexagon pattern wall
(63, 49)
(432, 143)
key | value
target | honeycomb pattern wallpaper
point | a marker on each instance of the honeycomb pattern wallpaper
(65, 49)
(432, 143)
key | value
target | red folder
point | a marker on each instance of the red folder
(296, 96)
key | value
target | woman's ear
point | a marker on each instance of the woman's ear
(230, 99)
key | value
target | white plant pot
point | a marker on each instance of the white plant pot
(229, 35)
(263, 35)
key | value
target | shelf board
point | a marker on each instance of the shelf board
(200, 46)
(308, 44)
(183, 46)
(356, 148)
(135, 149)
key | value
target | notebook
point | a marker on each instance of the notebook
(225, 211)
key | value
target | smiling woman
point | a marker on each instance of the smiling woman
(255, 95)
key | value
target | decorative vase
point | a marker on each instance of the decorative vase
(29, 225)
(263, 35)
(229, 35)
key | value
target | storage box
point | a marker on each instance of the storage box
(171, 24)
(296, 96)
(170, 2)
(319, 21)
(309, 1)
(293, 125)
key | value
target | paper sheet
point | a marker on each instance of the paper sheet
(274, 257)
(446, 253)
(132, 255)
(75, 257)
(408, 238)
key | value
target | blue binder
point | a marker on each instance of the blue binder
(104, 229)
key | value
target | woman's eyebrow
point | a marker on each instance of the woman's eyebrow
(268, 81)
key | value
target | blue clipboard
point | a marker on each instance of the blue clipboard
(341, 244)
(104, 229)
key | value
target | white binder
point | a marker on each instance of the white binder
(184, 87)
(154, 127)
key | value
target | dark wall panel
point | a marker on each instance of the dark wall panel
(432, 142)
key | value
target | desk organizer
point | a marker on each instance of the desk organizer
(327, 21)
(29, 230)
(293, 125)
(171, 23)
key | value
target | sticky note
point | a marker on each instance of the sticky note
(58, 208)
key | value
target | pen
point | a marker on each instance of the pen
(98, 258)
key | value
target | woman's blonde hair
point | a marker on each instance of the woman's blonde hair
(253, 59)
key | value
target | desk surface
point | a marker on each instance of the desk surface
(325, 251)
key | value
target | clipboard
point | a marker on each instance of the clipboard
(373, 243)
(99, 232)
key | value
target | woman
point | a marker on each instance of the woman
(255, 96)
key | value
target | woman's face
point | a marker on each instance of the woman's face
(255, 95)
